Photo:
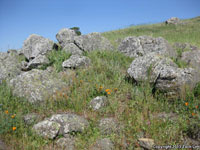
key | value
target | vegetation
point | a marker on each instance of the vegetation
(130, 104)
(77, 30)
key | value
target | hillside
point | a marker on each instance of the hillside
(93, 97)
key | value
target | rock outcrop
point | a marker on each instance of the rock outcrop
(173, 20)
(139, 46)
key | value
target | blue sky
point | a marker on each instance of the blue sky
(20, 18)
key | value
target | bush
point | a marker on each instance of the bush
(77, 30)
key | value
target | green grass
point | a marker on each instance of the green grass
(131, 105)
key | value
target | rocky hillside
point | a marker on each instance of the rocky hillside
(134, 88)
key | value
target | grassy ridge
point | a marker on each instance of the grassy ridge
(130, 104)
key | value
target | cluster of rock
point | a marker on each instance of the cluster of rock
(173, 20)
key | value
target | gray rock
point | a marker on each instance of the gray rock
(192, 58)
(98, 102)
(2, 145)
(9, 65)
(165, 116)
(36, 45)
(36, 85)
(72, 48)
(70, 123)
(30, 118)
(139, 46)
(103, 144)
(76, 61)
(173, 20)
(92, 41)
(108, 126)
(47, 129)
(65, 36)
(66, 143)
(146, 143)
(184, 46)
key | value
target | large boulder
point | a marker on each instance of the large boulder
(10, 65)
(36, 45)
(65, 36)
(92, 41)
(139, 46)
(163, 74)
(76, 61)
(36, 85)
(72, 49)
(173, 20)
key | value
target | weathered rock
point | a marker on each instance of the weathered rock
(190, 143)
(70, 123)
(30, 118)
(165, 116)
(65, 36)
(66, 143)
(36, 45)
(192, 58)
(2, 145)
(76, 61)
(139, 46)
(73, 49)
(47, 129)
(9, 65)
(103, 144)
(173, 20)
(193, 131)
(99, 102)
(36, 85)
(92, 41)
(184, 46)
(108, 126)
(146, 143)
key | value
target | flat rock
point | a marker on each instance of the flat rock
(76, 61)
(36, 85)
(98, 102)
(103, 144)
(92, 41)
(139, 46)
(47, 129)
(146, 143)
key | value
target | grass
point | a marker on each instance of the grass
(131, 105)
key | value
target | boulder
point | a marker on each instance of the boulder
(66, 143)
(9, 65)
(70, 123)
(47, 129)
(73, 49)
(103, 144)
(92, 41)
(36, 85)
(30, 118)
(36, 45)
(98, 102)
(139, 46)
(173, 20)
(65, 36)
(146, 143)
(76, 61)
(108, 126)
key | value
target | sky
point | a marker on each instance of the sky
(21, 18)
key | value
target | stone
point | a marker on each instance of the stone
(165, 116)
(30, 118)
(72, 49)
(76, 61)
(184, 46)
(103, 144)
(36, 85)
(133, 46)
(108, 126)
(98, 102)
(2, 145)
(92, 41)
(146, 143)
(65, 36)
(47, 129)
(193, 131)
(173, 20)
(71, 123)
(36, 45)
(66, 143)
(10, 66)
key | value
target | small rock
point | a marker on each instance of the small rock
(146, 143)
(30, 118)
(66, 143)
(173, 20)
(103, 144)
(99, 102)
(2, 145)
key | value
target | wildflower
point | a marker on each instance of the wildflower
(6, 112)
(81, 81)
(115, 89)
(13, 116)
(14, 128)
(107, 90)
(108, 93)
(193, 114)
(196, 107)
(186, 104)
